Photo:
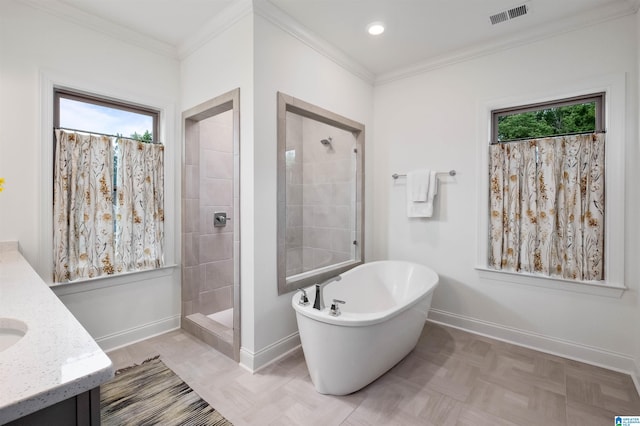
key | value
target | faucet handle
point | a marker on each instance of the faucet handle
(335, 310)
(304, 300)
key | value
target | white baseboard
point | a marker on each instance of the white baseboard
(564, 348)
(254, 361)
(135, 334)
(635, 376)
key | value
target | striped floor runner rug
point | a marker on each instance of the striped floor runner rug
(152, 394)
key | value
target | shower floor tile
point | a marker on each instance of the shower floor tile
(223, 317)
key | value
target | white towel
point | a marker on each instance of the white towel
(418, 185)
(421, 208)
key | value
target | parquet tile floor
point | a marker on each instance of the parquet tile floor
(451, 378)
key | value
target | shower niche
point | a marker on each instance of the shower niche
(210, 229)
(320, 194)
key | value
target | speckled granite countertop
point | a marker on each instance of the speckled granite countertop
(56, 358)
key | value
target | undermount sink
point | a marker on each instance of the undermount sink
(11, 331)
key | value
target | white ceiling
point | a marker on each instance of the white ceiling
(416, 30)
(168, 21)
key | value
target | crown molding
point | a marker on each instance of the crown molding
(239, 9)
(224, 20)
(96, 23)
(594, 16)
(280, 19)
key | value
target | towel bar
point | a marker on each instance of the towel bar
(450, 173)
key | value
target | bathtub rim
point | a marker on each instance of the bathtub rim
(347, 319)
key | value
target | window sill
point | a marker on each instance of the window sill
(80, 286)
(586, 287)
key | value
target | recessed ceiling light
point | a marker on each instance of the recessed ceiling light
(375, 28)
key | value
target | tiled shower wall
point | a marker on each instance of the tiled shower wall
(320, 195)
(208, 274)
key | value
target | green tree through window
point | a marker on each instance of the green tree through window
(145, 137)
(565, 116)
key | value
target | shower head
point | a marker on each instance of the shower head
(326, 141)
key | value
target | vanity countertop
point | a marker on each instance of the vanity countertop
(57, 358)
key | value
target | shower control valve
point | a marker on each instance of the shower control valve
(335, 310)
(220, 219)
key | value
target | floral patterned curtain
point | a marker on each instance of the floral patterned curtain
(93, 236)
(82, 207)
(139, 206)
(547, 206)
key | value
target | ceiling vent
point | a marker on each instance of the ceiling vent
(509, 14)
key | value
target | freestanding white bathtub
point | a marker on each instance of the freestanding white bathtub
(380, 323)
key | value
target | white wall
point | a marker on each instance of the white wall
(85, 59)
(426, 120)
(261, 60)
(283, 63)
(222, 64)
(432, 120)
(635, 207)
(38, 49)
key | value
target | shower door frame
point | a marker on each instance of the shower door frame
(229, 101)
(287, 103)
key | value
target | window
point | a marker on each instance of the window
(92, 114)
(108, 191)
(547, 189)
(567, 116)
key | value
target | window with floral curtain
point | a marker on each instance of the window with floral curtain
(82, 207)
(108, 203)
(547, 201)
(139, 207)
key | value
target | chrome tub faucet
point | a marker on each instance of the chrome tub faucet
(319, 301)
